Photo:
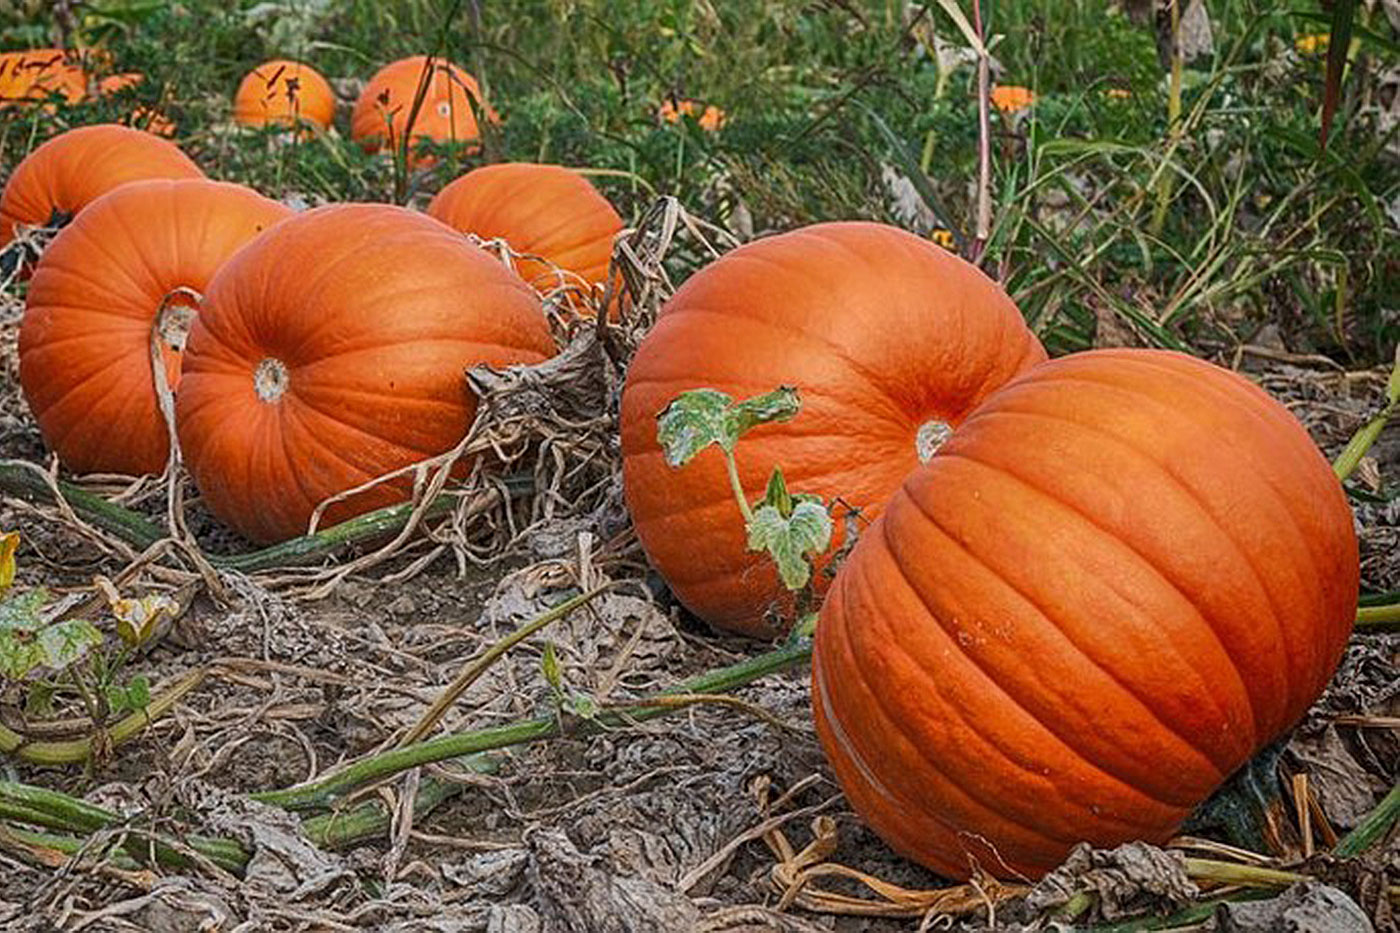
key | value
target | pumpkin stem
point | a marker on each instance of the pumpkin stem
(931, 436)
(270, 380)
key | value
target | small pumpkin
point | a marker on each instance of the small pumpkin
(36, 74)
(142, 117)
(880, 331)
(446, 114)
(331, 351)
(710, 117)
(62, 176)
(85, 339)
(1123, 574)
(543, 210)
(284, 93)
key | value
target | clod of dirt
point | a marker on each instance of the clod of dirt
(575, 892)
(1307, 907)
(1132, 879)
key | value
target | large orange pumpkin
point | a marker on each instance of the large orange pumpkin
(332, 350)
(881, 333)
(446, 115)
(283, 92)
(1125, 572)
(37, 74)
(62, 176)
(85, 341)
(544, 210)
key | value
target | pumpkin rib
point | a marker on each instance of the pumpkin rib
(1050, 626)
(1144, 564)
(1000, 808)
(360, 429)
(1272, 428)
(1276, 617)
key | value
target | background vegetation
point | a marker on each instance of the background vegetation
(831, 105)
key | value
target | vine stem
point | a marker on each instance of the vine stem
(328, 790)
(731, 467)
(479, 664)
(58, 753)
(1350, 458)
(1375, 825)
(1378, 617)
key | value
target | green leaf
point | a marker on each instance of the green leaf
(1343, 12)
(65, 642)
(549, 664)
(701, 417)
(777, 495)
(139, 692)
(792, 540)
(22, 612)
(693, 421)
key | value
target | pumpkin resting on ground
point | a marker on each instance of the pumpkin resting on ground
(880, 331)
(85, 341)
(37, 74)
(284, 93)
(61, 177)
(330, 351)
(1124, 574)
(544, 210)
(446, 115)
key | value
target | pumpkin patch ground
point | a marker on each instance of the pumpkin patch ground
(438, 615)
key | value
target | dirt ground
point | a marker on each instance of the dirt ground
(651, 827)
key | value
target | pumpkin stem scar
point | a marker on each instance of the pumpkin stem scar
(931, 436)
(270, 380)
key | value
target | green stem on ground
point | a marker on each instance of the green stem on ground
(1378, 617)
(1373, 827)
(326, 791)
(76, 750)
(20, 480)
(482, 662)
(1350, 458)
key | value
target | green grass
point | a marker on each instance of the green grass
(1258, 226)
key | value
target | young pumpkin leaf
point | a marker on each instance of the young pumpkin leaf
(701, 417)
(792, 539)
(777, 494)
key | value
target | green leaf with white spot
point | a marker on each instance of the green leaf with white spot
(792, 540)
(703, 417)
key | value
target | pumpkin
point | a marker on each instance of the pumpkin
(285, 93)
(880, 331)
(142, 117)
(60, 177)
(36, 74)
(710, 117)
(543, 210)
(445, 115)
(1122, 575)
(331, 351)
(85, 339)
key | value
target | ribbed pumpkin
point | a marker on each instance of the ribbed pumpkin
(331, 350)
(1124, 573)
(85, 341)
(881, 332)
(446, 114)
(284, 93)
(544, 210)
(59, 178)
(36, 74)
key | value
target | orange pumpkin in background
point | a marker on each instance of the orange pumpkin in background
(284, 93)
(446, 114)
(85, 340)
(880, 331)
(543, 210)
(1123, 575)
(37, 74)
(59, 178)
(142, 117)
(331, 351)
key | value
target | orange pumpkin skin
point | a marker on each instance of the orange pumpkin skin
(36, 74)
(446, 114)
(74, 168)
(544, 210)
(84, 342)
(1125, 573)
(368, 315)
(284, 93)
(880, 332)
